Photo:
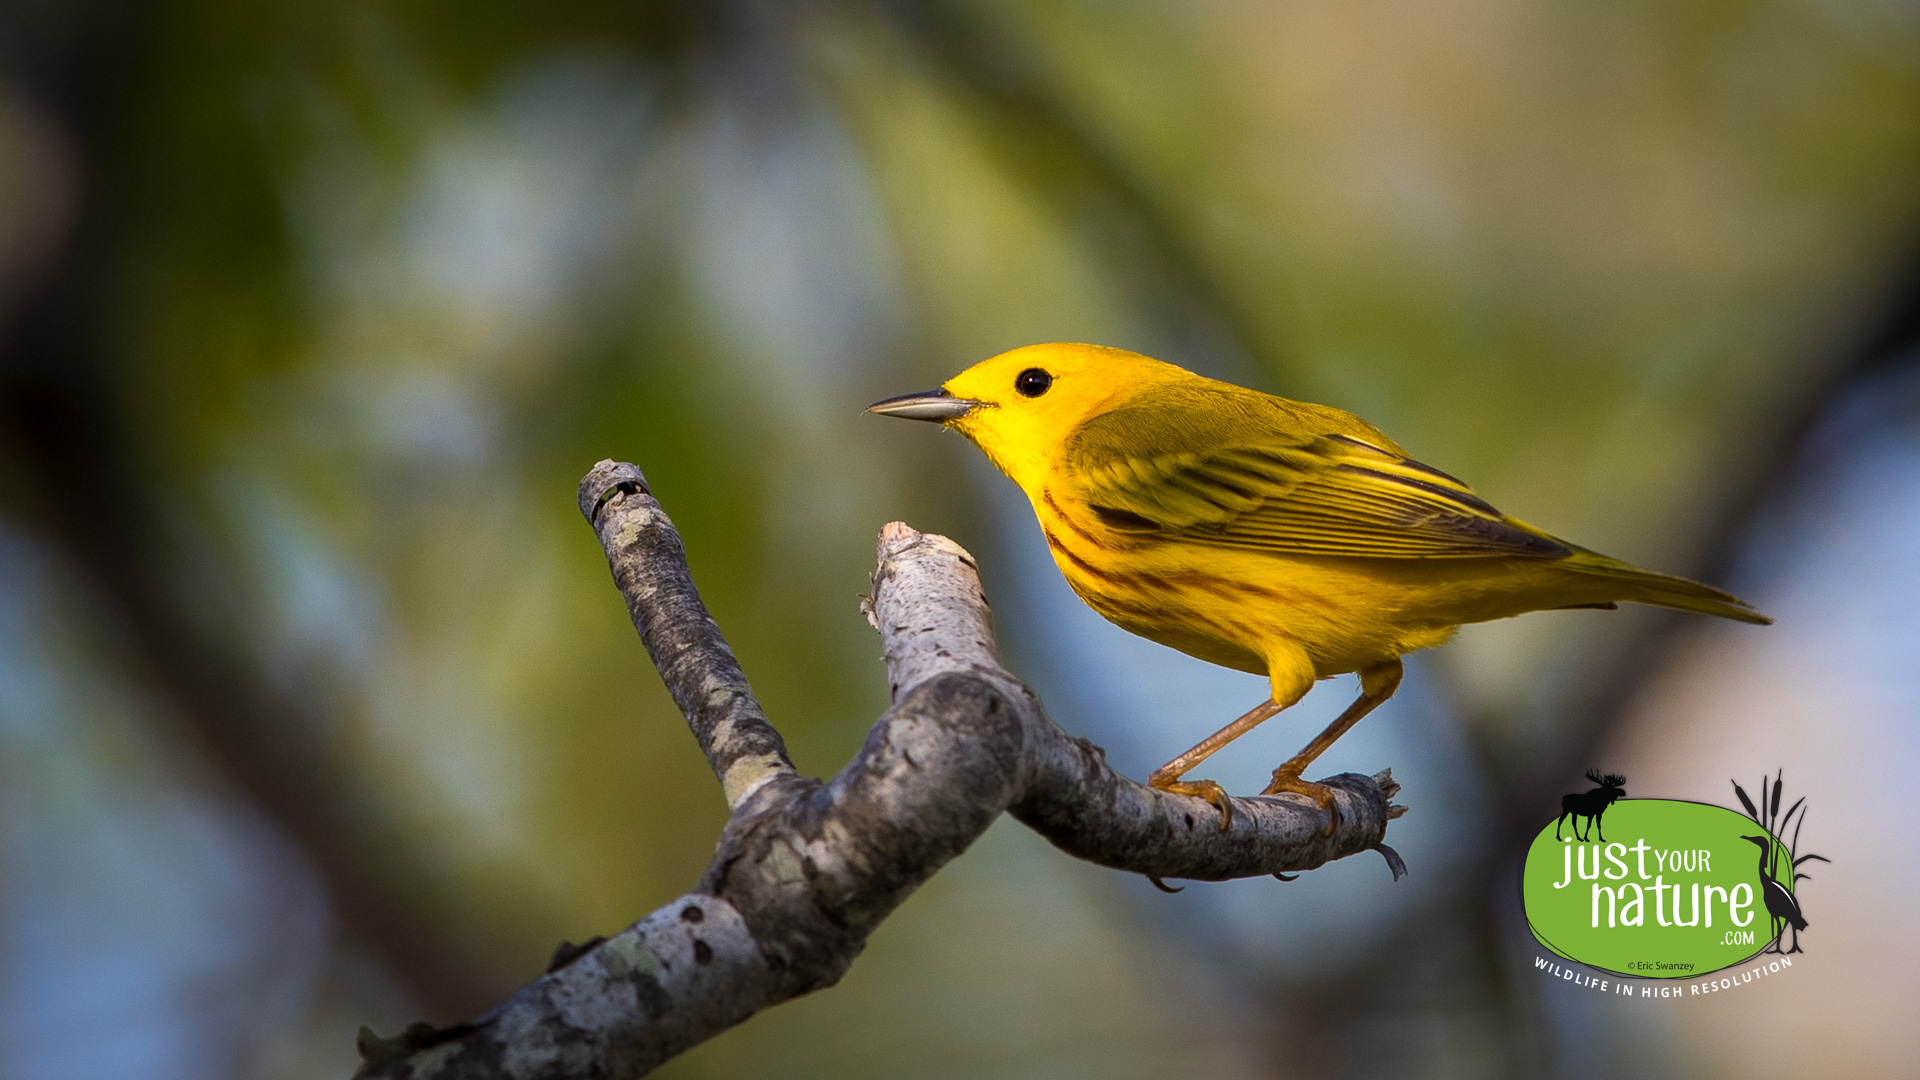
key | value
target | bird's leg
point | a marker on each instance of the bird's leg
(1167, 777)
(1377, 684)
(1779, 927)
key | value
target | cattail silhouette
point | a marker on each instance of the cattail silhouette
(1783, 906)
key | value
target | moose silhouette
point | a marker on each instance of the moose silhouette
(1590, 805)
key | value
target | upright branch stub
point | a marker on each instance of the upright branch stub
(805, 870)
(650, 567)
(937, 617)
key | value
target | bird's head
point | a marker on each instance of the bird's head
(1764, 842)
(1020, 406)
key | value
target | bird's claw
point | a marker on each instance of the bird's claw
(1199, 789)
(1287, 781)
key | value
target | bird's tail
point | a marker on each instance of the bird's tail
(1664, 590)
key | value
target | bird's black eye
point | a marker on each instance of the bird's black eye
(1033, 382)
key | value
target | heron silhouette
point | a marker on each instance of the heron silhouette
(1781, 906)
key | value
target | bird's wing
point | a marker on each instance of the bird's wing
(1250, 484)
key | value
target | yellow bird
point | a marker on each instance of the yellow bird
(1291, 540)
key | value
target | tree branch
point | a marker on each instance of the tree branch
(805, 870)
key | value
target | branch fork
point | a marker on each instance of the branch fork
(805, 869)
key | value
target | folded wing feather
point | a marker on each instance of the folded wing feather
(1320, 494)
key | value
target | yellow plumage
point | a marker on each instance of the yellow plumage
(1273, 536)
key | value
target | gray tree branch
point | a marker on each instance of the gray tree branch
(805, 870)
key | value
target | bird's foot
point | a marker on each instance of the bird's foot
(1200, 789)
(1287, 780)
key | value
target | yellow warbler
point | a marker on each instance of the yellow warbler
(1272, 536)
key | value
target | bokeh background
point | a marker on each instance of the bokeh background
(318, 709)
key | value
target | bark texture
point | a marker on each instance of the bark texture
(806, 869)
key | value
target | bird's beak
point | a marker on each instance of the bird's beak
(937, 406)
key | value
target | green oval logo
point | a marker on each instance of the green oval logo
(1676, 889)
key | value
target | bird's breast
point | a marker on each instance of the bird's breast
(1155, 586)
